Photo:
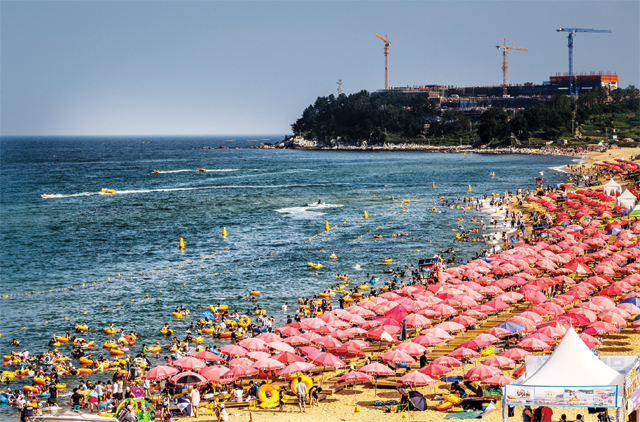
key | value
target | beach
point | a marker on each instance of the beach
(341, 404)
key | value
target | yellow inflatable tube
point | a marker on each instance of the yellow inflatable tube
(306, 380)
(268, 396)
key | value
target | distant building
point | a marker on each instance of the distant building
(518, 96)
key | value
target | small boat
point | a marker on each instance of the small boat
(201, 170)
(48, 195)
(108, 191)
(156, 171)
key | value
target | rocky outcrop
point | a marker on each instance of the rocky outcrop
(360, 145)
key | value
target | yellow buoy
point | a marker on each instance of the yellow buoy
(433, 184)
(326, 225)
(224, 232)
(366, 215)
(469, 190)
(181, 243)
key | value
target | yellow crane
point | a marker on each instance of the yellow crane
(504, 49)
(386, 59)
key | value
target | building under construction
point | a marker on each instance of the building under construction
(517, 96)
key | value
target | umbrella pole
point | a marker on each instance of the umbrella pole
(355, 393)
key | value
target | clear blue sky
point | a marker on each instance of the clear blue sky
(144, 67)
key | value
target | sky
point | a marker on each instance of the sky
(251, 67)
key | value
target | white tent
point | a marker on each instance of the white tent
(574, 364)
(612, 188)
(627, 200)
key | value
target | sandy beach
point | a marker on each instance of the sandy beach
(341, 405)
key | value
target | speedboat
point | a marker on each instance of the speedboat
(156, 171)
(48, 195)
(201, 170)
(108, 191)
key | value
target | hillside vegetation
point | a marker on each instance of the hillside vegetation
(404, 118)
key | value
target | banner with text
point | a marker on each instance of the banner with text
(540, 395)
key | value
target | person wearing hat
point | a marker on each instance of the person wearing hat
(224, 416)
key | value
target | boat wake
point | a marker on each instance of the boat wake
(310, 211)
(137, 191)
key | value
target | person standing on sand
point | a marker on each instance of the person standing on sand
(527, 414)
(301, 391)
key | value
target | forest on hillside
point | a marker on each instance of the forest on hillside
(379, 118)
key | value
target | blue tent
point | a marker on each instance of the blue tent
(632, 300)
(511, 326)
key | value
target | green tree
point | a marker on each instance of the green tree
(493, 123)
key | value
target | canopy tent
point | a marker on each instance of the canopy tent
(636, 210)
(612, 188)
(627, 200)
(568, 366)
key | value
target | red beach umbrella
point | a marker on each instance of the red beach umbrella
(214, 373)
(416, 378)
(189, 363)
(160, 372)
(481, 372)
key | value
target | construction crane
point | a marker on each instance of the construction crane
(572, 32)
(504, 49)
(386, 59)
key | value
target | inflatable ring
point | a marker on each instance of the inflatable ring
(363, 287)
(357, 294)
(79, 327)
(347, 300)
(165, 331)
(244, 322)
(86, 361)
(78, 340)
(110, 330)
(225, 334)
(452, 398)
(445, 405)
(268, 396)
(154, 349)
(306, 380)
(325, 295)
(223, 307)
(387, 260)
(39, 380)
(30, 389)
(137, 392)
(254, 293)
(117, 352)
(61, 386)
(109, 344)
(177, 315)
(130, 338)
(85, 371)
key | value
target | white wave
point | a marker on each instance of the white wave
(220, 170)
(357, 267)
(560, 169)
(299, 212)
(175, 171)
(122, 192)
(324, 205)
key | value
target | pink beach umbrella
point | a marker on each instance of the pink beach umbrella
(397, 356)
(189, 363)
(206, 355)
(160, 372)
(464, 353)
(426, 340)
(253, 345)
(233, 350)
(498, 379)
(481, 372)
(416, 378)
(410, 348)
(294, 368)
(446, 361)
(533, 344)
(214, 374)
(239, 372)
(499, 362)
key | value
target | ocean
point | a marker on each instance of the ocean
(82, 256)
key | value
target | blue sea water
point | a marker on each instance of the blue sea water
(114, 258)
